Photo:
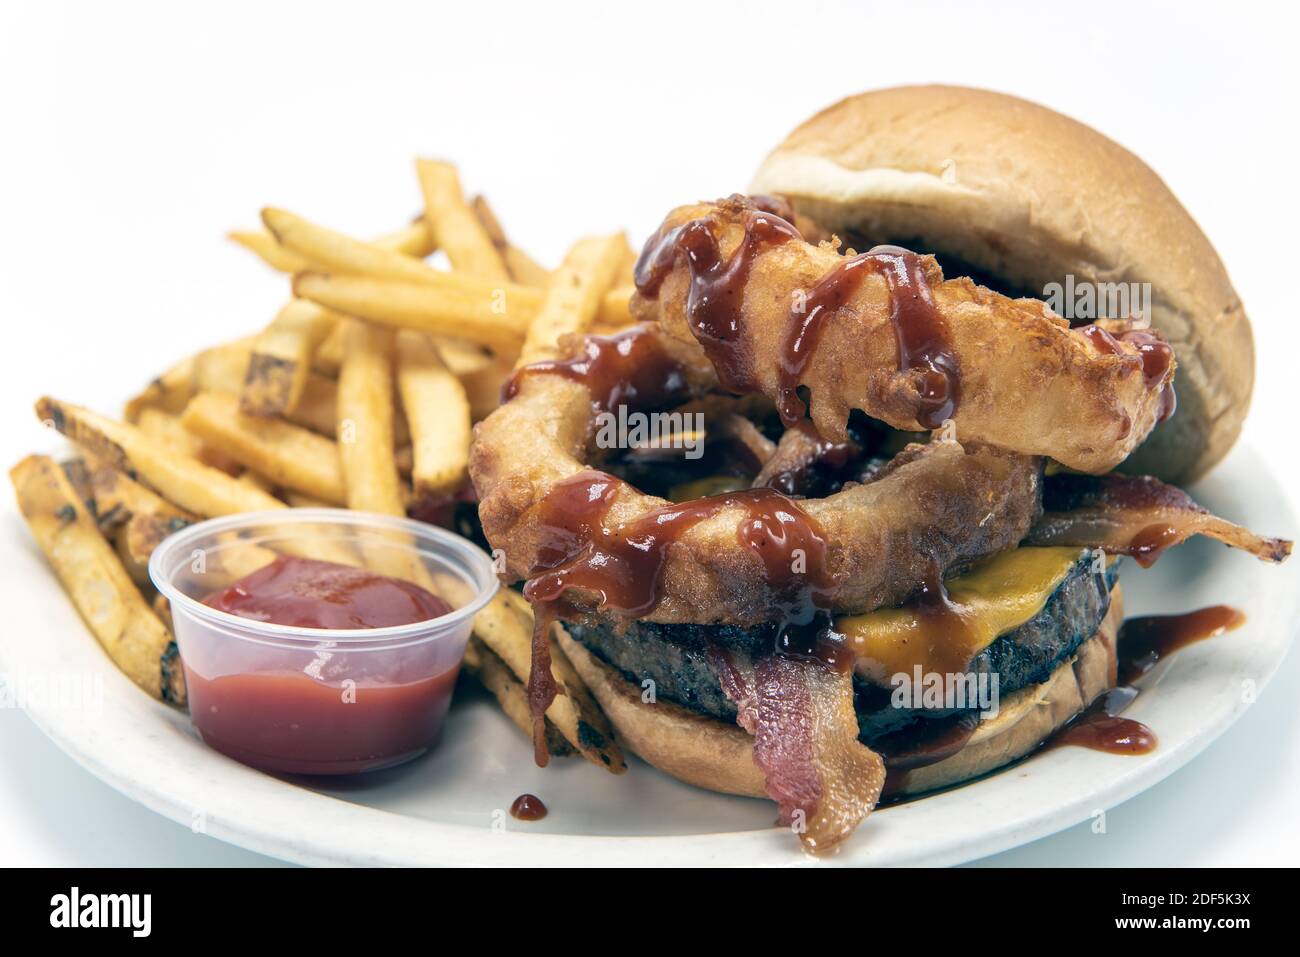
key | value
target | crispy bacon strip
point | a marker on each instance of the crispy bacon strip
(824, 781)
(1138, 516)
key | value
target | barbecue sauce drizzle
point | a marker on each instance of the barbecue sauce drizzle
(919, 330)
(715, 298)
(629, 368)
(623, 564)
(713, 304)
(1156, 356)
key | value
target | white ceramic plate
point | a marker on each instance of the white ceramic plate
(449, 807)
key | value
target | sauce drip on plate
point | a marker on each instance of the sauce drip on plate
(1143, 642)
(528, 807)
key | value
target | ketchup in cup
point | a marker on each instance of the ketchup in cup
(304, 665)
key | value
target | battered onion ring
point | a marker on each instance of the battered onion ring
(1027, 381)
(936, 506)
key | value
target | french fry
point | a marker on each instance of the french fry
(483, 387)
(573, 295)
(328, 251)
(289, 455)
(521, 267)
(615, 307)
(127, 629)
(113, 498)
(461, 356)
(136, 540)
(183, 480)
(166, 429)
(127, 514)
(496, 316)
(410, 240)
(627, 272)
(163, 609)
(370, 468)
(223, 368)
(281, 357)
(365, 429)
(328, 357)
(264, 246)
(511, 693)
(284, 352)
(505, 625)
(298, 500)
(453, 224)
(169, 392)
(438, 412)
(249, 477)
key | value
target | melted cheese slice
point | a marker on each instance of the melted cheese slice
(991, 599)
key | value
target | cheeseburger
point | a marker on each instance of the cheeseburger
(931, 428)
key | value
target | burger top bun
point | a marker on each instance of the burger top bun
(1029, 196)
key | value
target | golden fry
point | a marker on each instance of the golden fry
(370, 467)
(169, 392)
(511, 693)
(497, 316)
(461, 355)
(410, 240)
(521, 267)
(132, 517)
(298, 500)
(264, 246)
(113, 498)
(453, 224)
(257, 480)
(166, 429)
(573, 295)
(283, 353)
(615, 307)
(483, 387)
(288, 455)
(223, 368)
(281, 357)
(183, 480)
(506, 626)
(329, 354)
(365, 421)
(328, 251)
(127, 629)
(438, 413)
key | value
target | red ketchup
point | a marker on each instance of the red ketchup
(311, 709)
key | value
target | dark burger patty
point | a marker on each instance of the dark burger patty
(673, 656)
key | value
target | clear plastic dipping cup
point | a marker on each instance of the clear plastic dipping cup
(312, 700)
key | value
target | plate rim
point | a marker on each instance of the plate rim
(464, 845)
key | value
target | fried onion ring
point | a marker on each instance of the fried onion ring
(744, 285)
(937, 506)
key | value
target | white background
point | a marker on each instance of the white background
(132, 136)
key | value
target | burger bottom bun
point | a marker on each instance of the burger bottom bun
(719, 756)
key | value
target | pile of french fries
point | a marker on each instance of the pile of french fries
(360, 393)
